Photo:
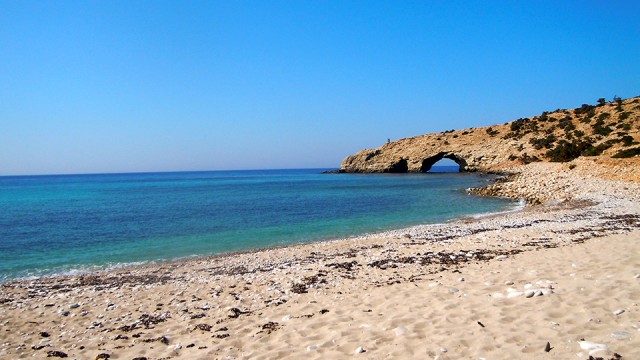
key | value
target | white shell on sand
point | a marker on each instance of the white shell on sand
(360, 350)
(618, 312)
(592, 347)
(501, 257)
(286, 318)
(312, 347)
(400, 331)
(508, 282)
(529, 293)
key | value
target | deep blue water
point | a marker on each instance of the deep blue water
(69, 223)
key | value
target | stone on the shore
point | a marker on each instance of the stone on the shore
(400, 331)
(592, 347)
(360, 350)
(529, 293)
(618, 312)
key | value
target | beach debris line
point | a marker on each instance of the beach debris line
(56, 353)
(237, 312)
(269, 327)
(163, 339)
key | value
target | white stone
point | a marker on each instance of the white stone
(312, 347)
(400, 331)
(529, 293)
(618, 312)
(508, 282)
(592, 347)
(501, 257)
(360, 350)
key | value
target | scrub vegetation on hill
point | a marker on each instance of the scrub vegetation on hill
(590, 130)
(606, 131)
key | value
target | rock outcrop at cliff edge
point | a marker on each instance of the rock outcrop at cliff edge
(607, 130)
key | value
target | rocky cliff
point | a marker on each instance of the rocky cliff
(603, 131)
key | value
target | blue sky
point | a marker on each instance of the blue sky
(127, 86)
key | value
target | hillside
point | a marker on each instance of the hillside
(607, 133)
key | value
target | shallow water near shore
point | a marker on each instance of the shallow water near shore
(72, 223)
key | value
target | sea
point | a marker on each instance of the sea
(70, 224)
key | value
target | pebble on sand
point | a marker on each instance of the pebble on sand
(618, 312)
(360, 350)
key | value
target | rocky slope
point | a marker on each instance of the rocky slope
(607, 133)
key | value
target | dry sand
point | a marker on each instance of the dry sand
(565, 273)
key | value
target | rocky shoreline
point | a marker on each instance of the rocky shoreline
(344, 298)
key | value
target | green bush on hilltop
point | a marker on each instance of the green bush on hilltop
(566, 151)
(546, 142)
(598, 149)
(627, 140)
(627, 153)
(624, 116)
(492, 132)
(600, 128)
(584, 109)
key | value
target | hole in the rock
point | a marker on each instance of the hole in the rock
(445, 166)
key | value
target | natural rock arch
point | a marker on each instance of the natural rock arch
(428, 162)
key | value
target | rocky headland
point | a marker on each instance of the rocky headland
(605, 133)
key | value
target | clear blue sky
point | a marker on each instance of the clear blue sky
(125, 86)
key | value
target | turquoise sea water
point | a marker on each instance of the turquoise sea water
(70, 223)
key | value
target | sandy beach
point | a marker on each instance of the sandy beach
(560, 280)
